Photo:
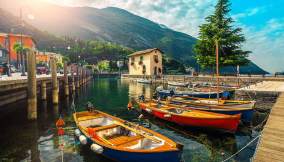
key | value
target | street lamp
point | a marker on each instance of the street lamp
(119, 65)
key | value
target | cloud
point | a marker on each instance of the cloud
(267, 44)
(249, 12)
(186, 16)
(181, 15)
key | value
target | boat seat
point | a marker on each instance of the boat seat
(122, 140)
(89, 118)
(105, 127)
(129, 141)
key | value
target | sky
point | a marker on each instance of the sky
(262, 21)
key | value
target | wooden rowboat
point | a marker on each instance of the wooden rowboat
(164, 93)
(230, 107)
(214, 102)
(195, 118)
(123, 141)
(179, 84)
(246, 113)
(145, 81)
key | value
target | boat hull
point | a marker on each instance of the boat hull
(165, 94)
(246, 114)
(224, 124)
(124, 156)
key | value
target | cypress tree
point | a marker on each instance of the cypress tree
(219, 26)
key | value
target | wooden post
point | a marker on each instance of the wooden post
(54, 81)
(78, 78)
(66, 85)
(217, 68)
(32, 93)
(73, 80)
(43, 90)
(83, 76)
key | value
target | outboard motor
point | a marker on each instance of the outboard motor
(90, 106)
(226, 95)
(141, 98)
(172, 92)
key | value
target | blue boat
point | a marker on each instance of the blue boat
(123, 141)
(166, 93)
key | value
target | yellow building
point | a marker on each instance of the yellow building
(146, 62)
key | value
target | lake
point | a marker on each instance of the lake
(23, 140)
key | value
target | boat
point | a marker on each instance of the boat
(214, 102)
(164, 93)
(191, 117)
(246, 112)
(145, 81)
(123, 141)
(179, 84)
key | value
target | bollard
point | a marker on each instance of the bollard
(32, 93)
(84, 76)
(54, 81)
(73, 81)
(78, 78)
(66, 85)
(43, 90)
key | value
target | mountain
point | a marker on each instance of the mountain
(110, 24)
(10, 23)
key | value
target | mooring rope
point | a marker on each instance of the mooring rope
(229, 158)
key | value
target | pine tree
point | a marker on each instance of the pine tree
(218, 27)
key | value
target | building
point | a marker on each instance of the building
(41, 57)
(146, 62)
(7, 42)
(44, 57)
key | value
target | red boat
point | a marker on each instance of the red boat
(195, 118)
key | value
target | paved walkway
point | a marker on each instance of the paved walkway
(266, 86)
(17, 76)
(271, 146)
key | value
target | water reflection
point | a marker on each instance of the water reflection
(38, 141)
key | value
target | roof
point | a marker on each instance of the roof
(17, 35)
(11, 34)
(145, 51)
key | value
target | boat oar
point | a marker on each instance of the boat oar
(138, 132)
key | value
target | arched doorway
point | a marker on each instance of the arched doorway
(155, 70)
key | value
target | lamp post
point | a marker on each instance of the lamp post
(8, 58)
(22, 52)
(119, 65)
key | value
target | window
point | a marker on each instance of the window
(144, 69)
(156, 58)
(141, 60)
(132, 60)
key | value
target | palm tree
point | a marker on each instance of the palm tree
(23, 50)
(18, 48)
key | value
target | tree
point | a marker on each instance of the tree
(218, 27)
(103, 65)
(19, 48)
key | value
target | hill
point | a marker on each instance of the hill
(117, 26)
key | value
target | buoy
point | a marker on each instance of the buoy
(77, 132)
(60, 123)
(97, 148)
(83, 139)
(129, 106)
(60, 131)
(167, 115)
(148, 110)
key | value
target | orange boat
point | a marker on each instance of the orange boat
(195, 118)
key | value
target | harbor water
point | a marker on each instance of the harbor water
(23, 140)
